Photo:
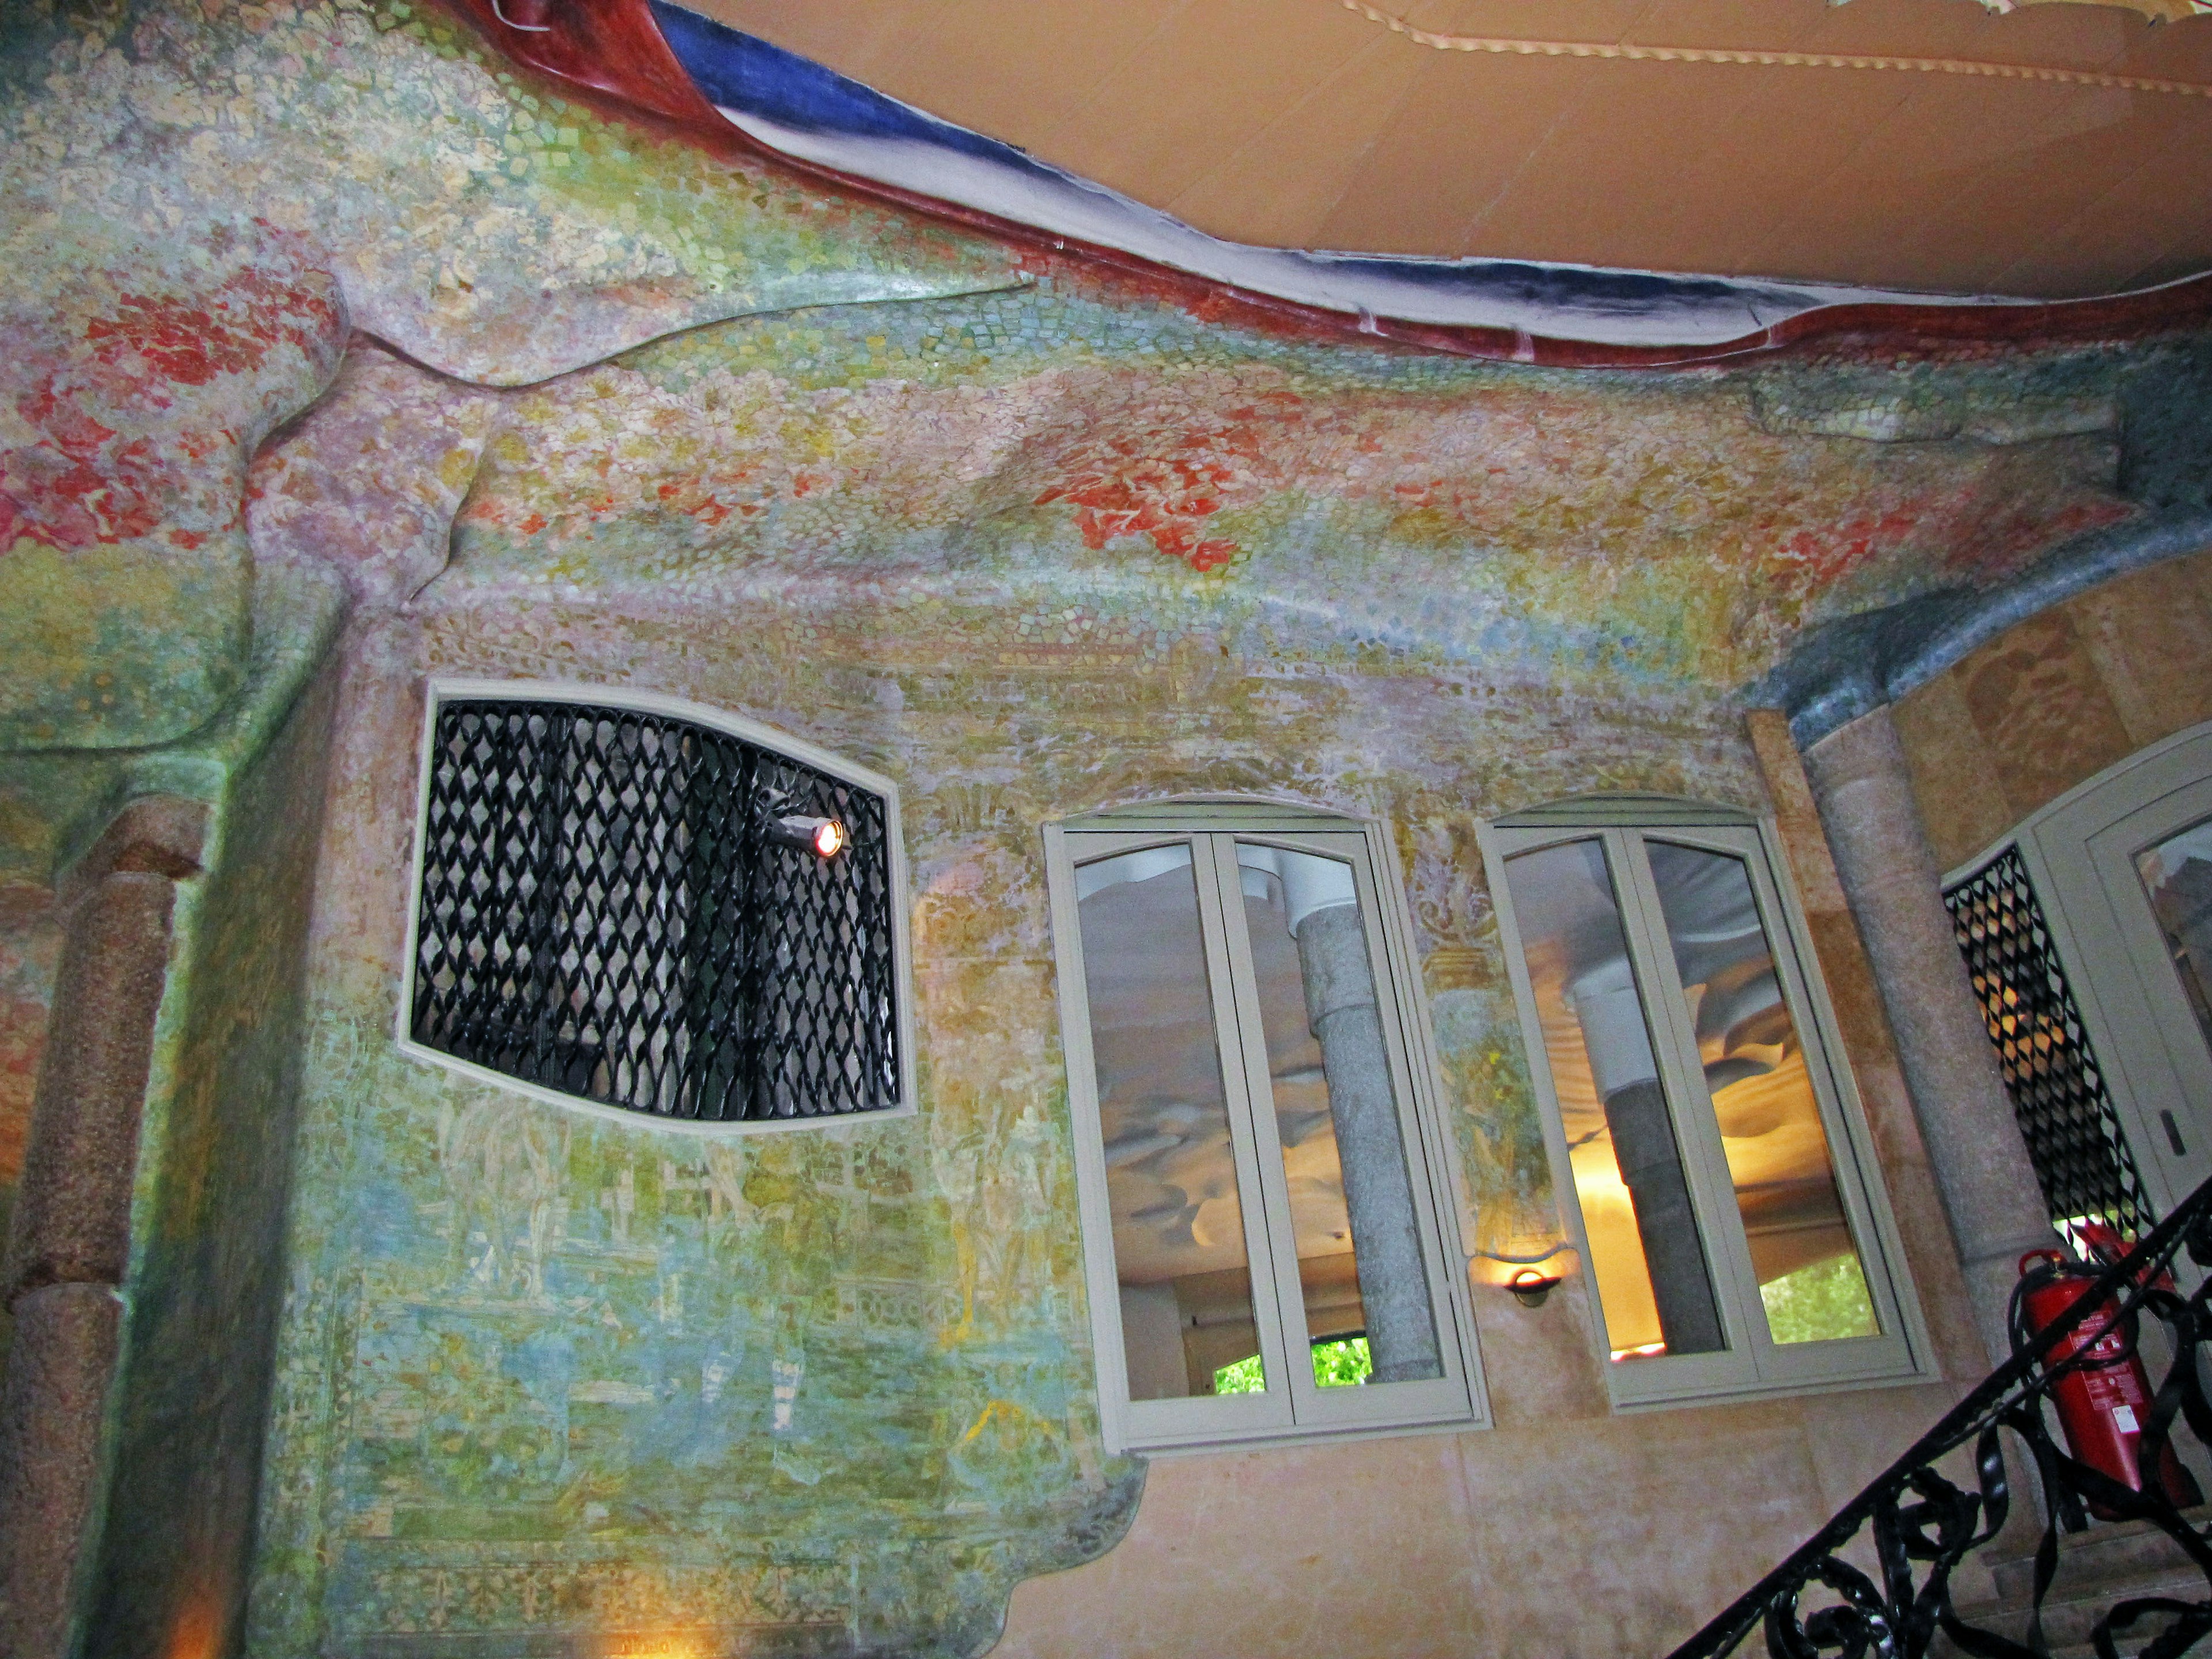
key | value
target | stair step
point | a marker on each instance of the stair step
(2069, 1616)
(2105, 1551)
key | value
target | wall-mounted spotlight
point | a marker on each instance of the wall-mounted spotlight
(824, 837)
(1530, 1287)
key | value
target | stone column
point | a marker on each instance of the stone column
(1889, 874)
(69, 1244)
(1340, 1008)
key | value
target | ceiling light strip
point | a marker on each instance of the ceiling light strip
(1778, 60)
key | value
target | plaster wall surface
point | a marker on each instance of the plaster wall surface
(2056, 699)
(319, 306)
(216, 1160)
(528, 1349)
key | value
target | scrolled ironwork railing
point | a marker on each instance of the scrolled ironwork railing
(1923, 1524)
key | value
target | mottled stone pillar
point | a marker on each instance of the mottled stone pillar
(1980, 1163)
(1341, 1007)
(69, 1243)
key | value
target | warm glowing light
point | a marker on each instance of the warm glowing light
(824, 837)
(655, 1644)
(197, 1632)
(1641, 1351)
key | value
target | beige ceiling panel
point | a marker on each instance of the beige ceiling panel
(1725, 23)
(1917, 28)
(2007, 204)
(1278, 185)
(2188, 210)
(1029, 48)
(1218, 71)
(2173, 194)
(1451, 149)
(1748, 182)
(846, 34)
(1538, 97)
(1001, 69)
(1886, 210)
(1601, 183)
(2123, 229)
(1298, 123)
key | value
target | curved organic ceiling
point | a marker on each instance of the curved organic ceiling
(1933, 145)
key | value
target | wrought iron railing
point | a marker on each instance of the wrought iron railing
(1923, 1524)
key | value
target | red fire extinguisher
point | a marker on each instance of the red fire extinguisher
(2103, 1401)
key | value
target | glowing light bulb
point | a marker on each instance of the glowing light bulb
(824, 837)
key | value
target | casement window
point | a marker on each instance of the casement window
(1705, 1139)
(637, 906)
(1265, 1183)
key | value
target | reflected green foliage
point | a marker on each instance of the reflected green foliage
(1819, 1304)
(1340, 1364)
(1336, 1366)
(1243, 1377)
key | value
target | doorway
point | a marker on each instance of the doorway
(2122, 866)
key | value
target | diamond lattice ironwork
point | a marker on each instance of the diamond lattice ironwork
(614, 907)
(2059, 1094)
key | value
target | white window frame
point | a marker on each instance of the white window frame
(1303, 1413)
(442, 690)
(1753, 1365)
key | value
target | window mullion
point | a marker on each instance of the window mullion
(1251, 1131)
(1696, 1127)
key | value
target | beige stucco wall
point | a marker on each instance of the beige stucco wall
(2056, 699)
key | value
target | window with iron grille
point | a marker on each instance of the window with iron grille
(648, 907)
(2058, 1095)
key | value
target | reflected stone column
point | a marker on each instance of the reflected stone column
(1340, 1008)
(1611, 1014)
(1980, 1161)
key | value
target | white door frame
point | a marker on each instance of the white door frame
(2080, 854)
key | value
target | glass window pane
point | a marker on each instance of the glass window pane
(1645, 1254)
(1802, 1251)
(2177, 878)
(1171, 1175)
(1366, 1293)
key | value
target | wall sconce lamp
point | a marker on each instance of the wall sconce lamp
(1530, 1287)
(824, 837)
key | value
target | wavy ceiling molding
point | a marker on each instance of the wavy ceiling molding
(1639, 52)
(735, 91)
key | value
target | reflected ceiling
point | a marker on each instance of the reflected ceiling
(1302, 124)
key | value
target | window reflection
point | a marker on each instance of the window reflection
(1778, 1159)
(2177, 878)
(1179, 1250)
(1336, 1114)
(1645, 1254)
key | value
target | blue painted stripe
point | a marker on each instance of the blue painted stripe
(749, 75)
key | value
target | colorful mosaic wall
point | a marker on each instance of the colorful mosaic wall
(1028, 541)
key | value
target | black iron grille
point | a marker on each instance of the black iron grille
(2058, 1093)
(607, 910)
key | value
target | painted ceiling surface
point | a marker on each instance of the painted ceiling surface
(801, 109)
(1926, 144)
(319, 305)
